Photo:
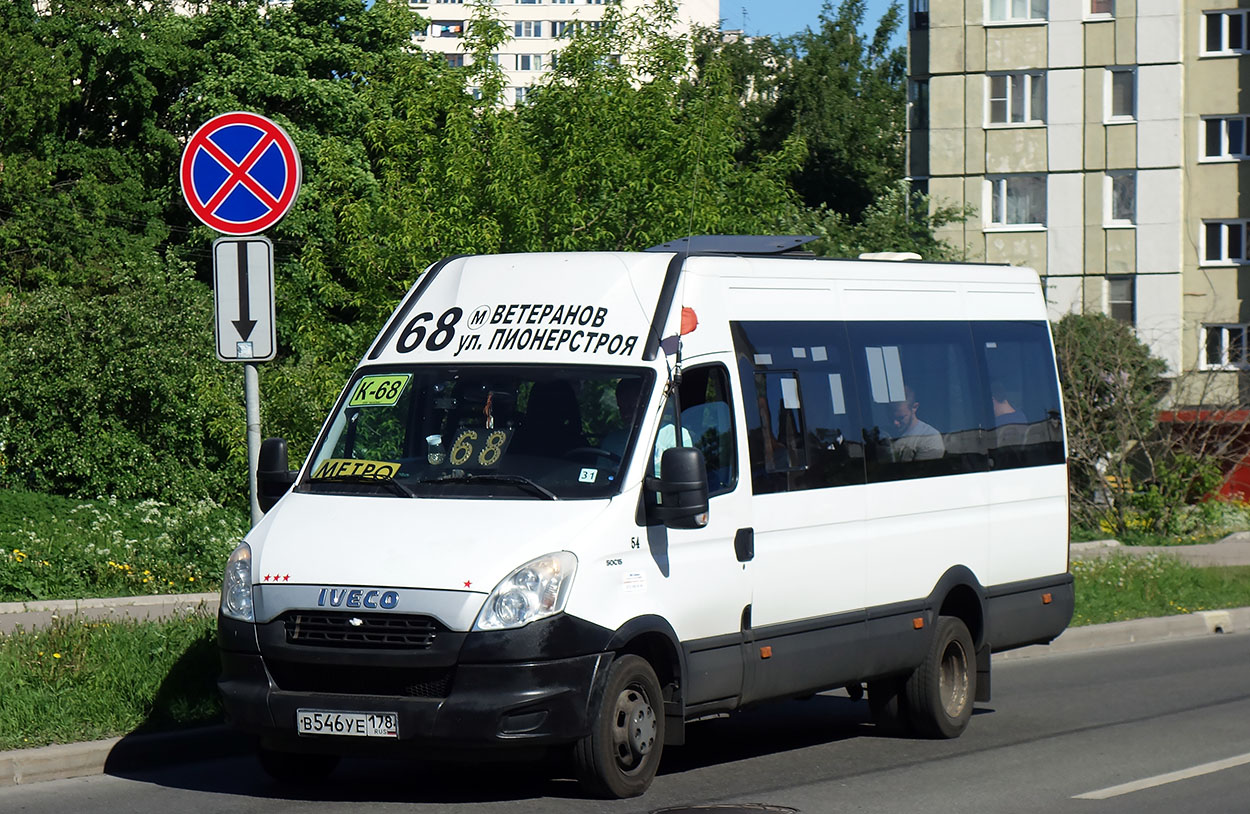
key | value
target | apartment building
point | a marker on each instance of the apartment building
(1102, 142)
(539, 30)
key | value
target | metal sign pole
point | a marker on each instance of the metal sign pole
(251, 398)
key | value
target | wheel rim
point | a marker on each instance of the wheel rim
(633, 728)
(953, 682)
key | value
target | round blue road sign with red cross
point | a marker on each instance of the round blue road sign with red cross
(240, 173)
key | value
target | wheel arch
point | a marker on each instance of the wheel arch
(960, 594)
(653, 639)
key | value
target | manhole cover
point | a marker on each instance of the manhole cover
(735, 808)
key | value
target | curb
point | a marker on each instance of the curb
(149, 751)
(30, 615)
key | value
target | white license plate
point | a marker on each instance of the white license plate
(356, 724)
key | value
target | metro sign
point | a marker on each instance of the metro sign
(240, 173)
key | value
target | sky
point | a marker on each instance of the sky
(785, 17)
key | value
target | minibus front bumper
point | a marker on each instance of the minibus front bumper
(443, 705)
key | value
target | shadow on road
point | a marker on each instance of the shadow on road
(225, 765)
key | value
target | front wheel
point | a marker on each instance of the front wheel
(620, 756)
(941, 692)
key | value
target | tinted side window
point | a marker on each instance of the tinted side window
(1019, 371)
(921, 398)
(803, 427)
(707, 424)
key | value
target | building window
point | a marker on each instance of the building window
(918, 104)
(528, 2)
(529, 62)
(1017, 200)
(1224, 137)
(1017, 98)
(1121, 94)
(1121, 302)
(1224, 32)
(1121, 198)
(919, 14)
(446, 28)
(455, 60)
(1012, 11)
(527, 28)
(524, 95)
(1223, 242)
(1102, 8)
(1224, 347)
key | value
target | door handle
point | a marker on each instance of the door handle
(744, 544)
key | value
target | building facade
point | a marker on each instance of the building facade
(1103, 143)
(539, 29)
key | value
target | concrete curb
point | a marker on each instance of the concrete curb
(29, 615)
(139, 752)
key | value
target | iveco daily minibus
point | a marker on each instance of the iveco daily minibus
(578, 501)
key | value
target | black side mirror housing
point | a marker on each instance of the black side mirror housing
(273, 478)
(682, 487)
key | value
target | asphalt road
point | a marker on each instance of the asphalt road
(1145, 728)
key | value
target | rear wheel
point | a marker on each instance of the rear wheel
(293, 767)
(620, 756)
(940, 694)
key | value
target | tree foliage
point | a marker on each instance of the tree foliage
(107, 380)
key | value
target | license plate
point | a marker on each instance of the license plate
(355, 724)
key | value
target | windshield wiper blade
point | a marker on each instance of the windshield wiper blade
(516, 480)
(395, 486)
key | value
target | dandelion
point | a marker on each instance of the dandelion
(56, 655)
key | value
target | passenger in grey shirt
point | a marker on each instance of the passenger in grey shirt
(914, 440)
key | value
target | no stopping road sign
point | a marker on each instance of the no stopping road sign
(240, 173)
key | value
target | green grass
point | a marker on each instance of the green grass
(59, 548)
(1123, 587)
(83, 680)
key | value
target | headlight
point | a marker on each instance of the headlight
(236, 588)
(536, 590)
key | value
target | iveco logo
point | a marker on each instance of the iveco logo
(357, 598)
(355, 621)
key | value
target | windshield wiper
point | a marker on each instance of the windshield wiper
(516, 480)
(395, 486)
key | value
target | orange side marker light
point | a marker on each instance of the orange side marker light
(766, 652)
(918, 623)
(1047, 599)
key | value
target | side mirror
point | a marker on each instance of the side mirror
(682, 489)
(273, 478)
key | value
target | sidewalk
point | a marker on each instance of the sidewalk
(1232, 550)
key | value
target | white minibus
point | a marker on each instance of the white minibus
(577, 501)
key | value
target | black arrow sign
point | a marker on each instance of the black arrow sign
(244, 324)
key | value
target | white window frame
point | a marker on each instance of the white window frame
(1226, 333)
(997, 220)
(1109, 184)
(529, 62)
(1109, 116)
(1224, 230)
(1225, 152)
(1011, 12)
(521, 93)
(1027, 81)
(1228, 21)
(534, 27)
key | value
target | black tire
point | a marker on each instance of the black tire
(620, 756)
(291, 768)
(941, 693)
(885, 702)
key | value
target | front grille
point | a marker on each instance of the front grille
(361, 630)
(426, 682)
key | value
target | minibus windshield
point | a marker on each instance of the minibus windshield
(516, 432)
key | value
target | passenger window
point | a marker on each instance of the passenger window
(921, 399)
(803, 428)
(1018, 368)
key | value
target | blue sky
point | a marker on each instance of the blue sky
(785, 17)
